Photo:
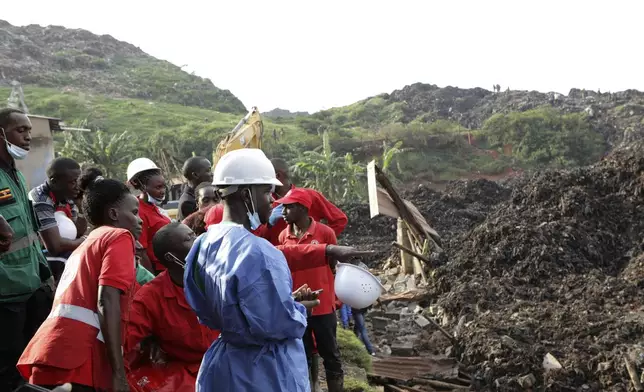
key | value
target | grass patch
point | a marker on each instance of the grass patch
(354, 385)
(352, 349)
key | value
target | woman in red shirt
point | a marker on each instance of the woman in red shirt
(146, 177)
(80, 342)
(160, 311)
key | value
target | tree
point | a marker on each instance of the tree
(166, 151)
(110, 153)
(338, 177)
(389, 154)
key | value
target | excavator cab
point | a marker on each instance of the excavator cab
(247, 134)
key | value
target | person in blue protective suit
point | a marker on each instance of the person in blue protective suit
(240, 284)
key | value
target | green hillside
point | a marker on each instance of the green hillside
(78, 60)
(137, 105)
(416, 151)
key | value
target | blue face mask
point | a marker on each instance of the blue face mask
(253, 218)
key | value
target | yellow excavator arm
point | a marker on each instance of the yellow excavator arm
(247, 134)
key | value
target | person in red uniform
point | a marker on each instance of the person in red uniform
(80, 342)
(146, 177)
(160, 311)
(321, 209)
(322, 322)
(206, 197)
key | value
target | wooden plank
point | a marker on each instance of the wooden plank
(418, 269)
(404, 210)
(372, 189)
(410, 252)
(440, 384)
(406, 262)
(409, 295)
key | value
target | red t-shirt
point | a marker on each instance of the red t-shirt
(68, 346)
(315, 276)
(160, 309)
(321, 209)
(153, 221)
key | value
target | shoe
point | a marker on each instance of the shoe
(335, 383)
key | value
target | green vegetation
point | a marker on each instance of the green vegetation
(110, 153)
(82, 61)
(354, 353)
(352, 349)
(338, 177)
(545, 137)
(354, 385)
(328, 150)
(137, 77)
(161, 131)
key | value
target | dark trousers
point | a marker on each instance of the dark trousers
(18, 324)
(324, 328)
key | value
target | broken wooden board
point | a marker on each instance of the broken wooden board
(381, 202)
(432, 373)
(409, 295)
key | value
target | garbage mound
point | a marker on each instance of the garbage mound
(452, 212)
(555, 269)
(460, 207)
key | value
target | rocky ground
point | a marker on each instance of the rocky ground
(548, 263)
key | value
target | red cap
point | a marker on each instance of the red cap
(296, 195)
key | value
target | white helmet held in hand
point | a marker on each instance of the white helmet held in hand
(246, 166)
(139, 165)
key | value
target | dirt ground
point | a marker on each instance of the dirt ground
(550, 262)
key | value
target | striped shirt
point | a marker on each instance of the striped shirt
(45, 207)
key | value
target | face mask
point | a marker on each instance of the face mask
(155, 201)
(13, 150)
(176, 260)
(254, 217)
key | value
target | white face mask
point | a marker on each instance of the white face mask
(155, 201)
(176, 260)
(253, 218)
(13, 150)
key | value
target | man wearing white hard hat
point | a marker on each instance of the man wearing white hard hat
(240, 284)
(144, 176)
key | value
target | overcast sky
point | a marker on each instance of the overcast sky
(312, 55)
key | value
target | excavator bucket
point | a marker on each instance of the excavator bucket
(247, 134)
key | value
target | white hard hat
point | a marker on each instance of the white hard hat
(66, 227)
(246, 166)
(139, 165)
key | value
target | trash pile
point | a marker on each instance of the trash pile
(556, 269)
(452, 212)
(543, 275)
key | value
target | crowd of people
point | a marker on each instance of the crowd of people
(101, 290)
